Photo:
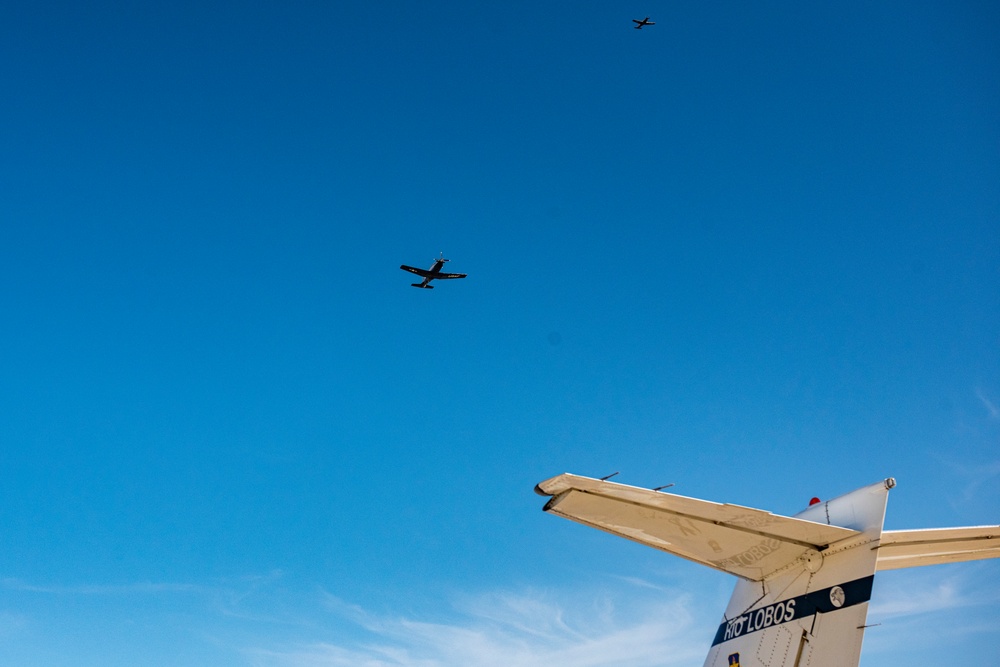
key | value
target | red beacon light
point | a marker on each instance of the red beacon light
(814, 501)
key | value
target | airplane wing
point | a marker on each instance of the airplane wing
(747, 542)
(423, 273)
(912, 548)
(450, 275)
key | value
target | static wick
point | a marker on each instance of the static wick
(665, 486)
(609, 476)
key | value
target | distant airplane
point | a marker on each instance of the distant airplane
(643, 22)
(804, 581)
(434, 273)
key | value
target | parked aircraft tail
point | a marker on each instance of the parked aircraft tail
(804, 581)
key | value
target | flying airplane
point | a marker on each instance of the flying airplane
(643, 22)
(804, 581)
(433, 273)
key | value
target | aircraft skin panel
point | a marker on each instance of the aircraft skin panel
(914, 548)
(822, 639)
(740, 540)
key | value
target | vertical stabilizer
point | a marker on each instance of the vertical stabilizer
(811, 612)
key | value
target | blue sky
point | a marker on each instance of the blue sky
(752, 250)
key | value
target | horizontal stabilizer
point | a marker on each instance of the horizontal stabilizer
(422, 285)
(747, 542)
(913, 548)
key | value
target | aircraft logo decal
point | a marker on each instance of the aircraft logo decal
(734, 660)
(818, 602)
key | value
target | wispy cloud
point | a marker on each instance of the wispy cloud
(909, 594)
(140, 588)
(974, 477)
(632, 622)
(508, 629)
(918, 600)
(921, 610)
(11, 623)
(991, 407)
(265, 622)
